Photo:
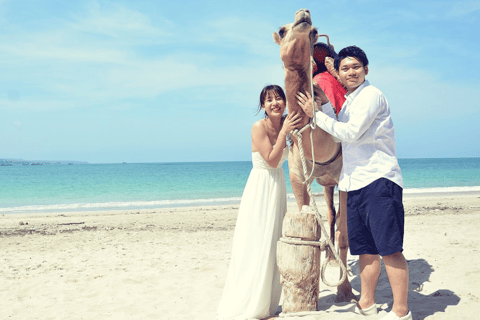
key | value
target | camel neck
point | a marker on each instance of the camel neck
(295, 81)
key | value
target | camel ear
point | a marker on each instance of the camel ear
(329, 63)
(276, 38)
(316, 38)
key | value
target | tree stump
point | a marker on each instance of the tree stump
(299, 264)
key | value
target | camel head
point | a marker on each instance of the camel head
(296, 41)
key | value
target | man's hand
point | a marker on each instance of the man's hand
(319, 94)
(306, 102)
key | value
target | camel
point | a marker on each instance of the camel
(296, 42)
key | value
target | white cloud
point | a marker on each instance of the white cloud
(102, 34)
(34, 50)
(144, 79)
(462, 8)
(36, 104)
(97, 58)
(120, 22)
(247, 35)
(433, 11)
(17, 124)
(77, 85)
(420, 99)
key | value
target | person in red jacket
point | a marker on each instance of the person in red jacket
(329, 84)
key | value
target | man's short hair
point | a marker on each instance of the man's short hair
(352, 51)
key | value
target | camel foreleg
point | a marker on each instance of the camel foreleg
(331, 217)
(297, 178)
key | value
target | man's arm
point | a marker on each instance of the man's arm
(362, 113)
(328, 109)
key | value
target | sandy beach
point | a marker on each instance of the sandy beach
(172, 263)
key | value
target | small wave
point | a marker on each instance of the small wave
(291, 196)
(117, 205)
(418, 190)
(442, 190)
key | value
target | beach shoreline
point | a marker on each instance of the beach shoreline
(99, 208)
(171, 263)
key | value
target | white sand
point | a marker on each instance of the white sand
(172, 263)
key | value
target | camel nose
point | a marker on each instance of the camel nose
(302, 10)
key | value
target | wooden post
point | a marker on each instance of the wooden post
(299, 264)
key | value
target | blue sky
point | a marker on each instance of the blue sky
(163, 81)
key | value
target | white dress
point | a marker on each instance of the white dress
(252, 289)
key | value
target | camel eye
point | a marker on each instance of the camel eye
(281, 32)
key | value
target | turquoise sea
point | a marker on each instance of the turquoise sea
(44, 188)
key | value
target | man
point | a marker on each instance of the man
(372, 177)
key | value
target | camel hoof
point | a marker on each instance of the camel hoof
(345, 297)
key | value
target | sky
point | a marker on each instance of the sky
(179, 81)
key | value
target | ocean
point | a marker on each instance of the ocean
(79, 187)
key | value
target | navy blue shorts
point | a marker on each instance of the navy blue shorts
(376, 219)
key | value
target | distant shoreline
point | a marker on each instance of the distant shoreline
(22, 162)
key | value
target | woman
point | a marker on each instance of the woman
(253, 288)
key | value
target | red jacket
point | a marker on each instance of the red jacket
(333, 89)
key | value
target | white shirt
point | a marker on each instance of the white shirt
(368, 138)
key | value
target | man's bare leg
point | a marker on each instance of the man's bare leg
(369, 272)
(397, 271)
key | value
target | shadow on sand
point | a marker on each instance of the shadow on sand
(421, 305)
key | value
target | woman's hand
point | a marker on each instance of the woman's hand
(291, 122)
